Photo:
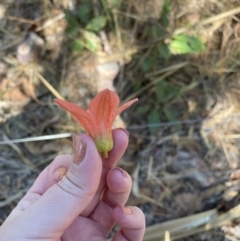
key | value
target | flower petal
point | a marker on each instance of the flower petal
(81, 115)
(124, 106)
(104, 105)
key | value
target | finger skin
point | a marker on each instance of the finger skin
(120, 140)
(63, 202)
(55, 206)
(119, 184)
(117, 192)
(120, 145)
(45, 180)
(132, 225)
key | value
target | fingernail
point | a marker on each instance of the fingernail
(127, 210)
(124, 130)
(59, 173)
(124, 173)
(79, 149)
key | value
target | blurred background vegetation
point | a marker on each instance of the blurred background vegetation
(179, 57)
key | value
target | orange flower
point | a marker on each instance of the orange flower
(98, 119)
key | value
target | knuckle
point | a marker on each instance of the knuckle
(72, 185)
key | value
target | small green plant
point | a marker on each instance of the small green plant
(97, 24)
(185, 44)
(165, 12)
(147, 64)
(83, 27)
(166, 91)
(85, 12)
(153, 118)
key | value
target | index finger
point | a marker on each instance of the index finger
(120, 137)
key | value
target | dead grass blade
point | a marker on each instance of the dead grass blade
(232, 136)
(135, 188)
(51, 21)
(37, 138)
(18, 150)
(209, 20)
(155, 81)
(184, 227)
(178, 65)
(49, 86)
(116, 56)
(179, 226)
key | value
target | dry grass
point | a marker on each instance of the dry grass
(183, 153)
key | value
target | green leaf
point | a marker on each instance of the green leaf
(96, 24)
(166, 91)
(77, 46)
(164, 51)
(69, 16)
(184, 44)
(165, 13)
(153, 118)
(147, 64)
(136, 86)
(92, 41)
(171, 116)
(155, 32)
(141, 110)
(84, 12)
(73, 25)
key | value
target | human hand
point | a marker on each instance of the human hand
(82, 205)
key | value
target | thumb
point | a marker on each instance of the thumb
(63, 202)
